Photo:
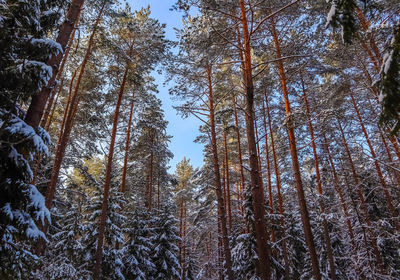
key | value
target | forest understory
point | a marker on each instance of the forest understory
(299, 104)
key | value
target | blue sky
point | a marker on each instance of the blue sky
(184, 131)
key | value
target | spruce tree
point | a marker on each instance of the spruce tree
(24, 51)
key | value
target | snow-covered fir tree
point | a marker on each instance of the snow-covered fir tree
(24, 51)
(165, 245)
(138, 263)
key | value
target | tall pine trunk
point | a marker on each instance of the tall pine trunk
(364, 206)
(278, 190)
(239, 150)
(295, 161)
(107, 181)
(339, 191)
(69, 119)
(260, 227)
(128, 139)
(38, 103)
(217, 180)
(377, 166)
(227, 184)
(328, 243)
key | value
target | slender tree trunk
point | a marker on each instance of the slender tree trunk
(377, 166)
(217, 181)
(107, 181)
(364, 206)
(127, 142)
(46, 122)
(278, 189)
(150, 182)
(158, 191)
(325, 225)
(340, 192)
(365, 26)
(239, 149)
(38, 103)
(51, 115)
(181, 231)
(260, 227)
(296, 168)
(49, 106)
(228, 191)
(184, 242)
(69, 119)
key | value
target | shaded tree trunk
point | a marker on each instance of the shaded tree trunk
(69, 119)
(377, 166)
(38, 103)
(328, 243)
(364, 206)
(339, 191)
(278, 189)
(228, 190)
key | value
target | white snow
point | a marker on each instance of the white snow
(48, 42)
(38, 202)
(387, 61)
(331, 14)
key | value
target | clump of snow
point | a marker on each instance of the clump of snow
(331, 14)
(53, 45)
(38, 202)
(387, 61)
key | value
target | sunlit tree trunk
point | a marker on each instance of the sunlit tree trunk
(260, 227)
(295, 161)
(127, 142)
(217, 180)
(107, 181)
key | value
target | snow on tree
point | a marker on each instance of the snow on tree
(165, 249)
(24, 51)
(138, 247)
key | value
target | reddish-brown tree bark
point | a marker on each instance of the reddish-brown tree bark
(127, 142)
(38, 103)
(339, 191)
(150, 178)
(377, 166)
(107, 181)
(260, 227)
(46, 122)
(228, 188)
(278, 190)
(328, 243)
(364, 206)
(295, 161)
(239, 150)
(69, 119)
(217, 180)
